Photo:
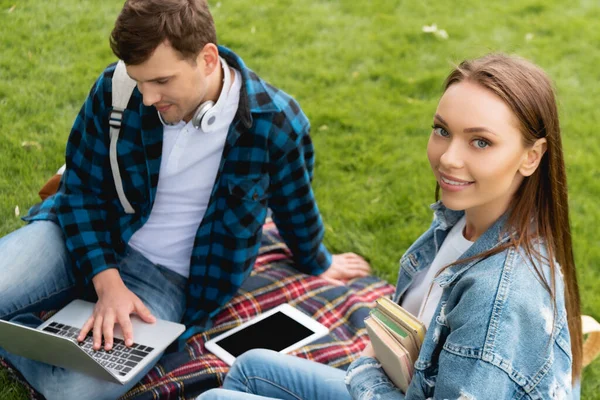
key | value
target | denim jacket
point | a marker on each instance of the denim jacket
(495, 333)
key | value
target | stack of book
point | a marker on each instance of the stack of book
(396, 336)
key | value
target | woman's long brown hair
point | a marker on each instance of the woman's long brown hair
(540, 207)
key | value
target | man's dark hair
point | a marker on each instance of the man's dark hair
(144, 24)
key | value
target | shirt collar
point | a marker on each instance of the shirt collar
(255, 96)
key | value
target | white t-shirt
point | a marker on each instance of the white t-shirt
(418, 300)
(188, 169)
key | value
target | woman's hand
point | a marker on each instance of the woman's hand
(368, 351)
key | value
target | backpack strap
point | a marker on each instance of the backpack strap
(122, 88)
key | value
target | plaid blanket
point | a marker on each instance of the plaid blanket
(186, 374)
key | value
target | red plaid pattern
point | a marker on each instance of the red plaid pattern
(186, 374)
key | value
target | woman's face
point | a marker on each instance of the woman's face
(475, 150)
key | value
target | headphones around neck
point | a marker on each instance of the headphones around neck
(206, 115)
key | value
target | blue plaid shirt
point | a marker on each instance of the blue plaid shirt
(267, 161)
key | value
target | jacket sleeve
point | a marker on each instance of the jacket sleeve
(459, 378)
(471, 378)
(83, 198)
(293, 202)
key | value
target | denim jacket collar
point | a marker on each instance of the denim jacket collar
(420, 256)
(495, 329)
(494, 236)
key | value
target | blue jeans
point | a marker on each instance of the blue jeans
(265, 374)
(37, 275)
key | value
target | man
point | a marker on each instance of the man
(205, 147)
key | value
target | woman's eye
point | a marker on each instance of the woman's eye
(480, 143)
(438, 130)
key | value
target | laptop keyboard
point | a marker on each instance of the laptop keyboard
(120, 359)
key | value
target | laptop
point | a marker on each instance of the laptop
(55, 342)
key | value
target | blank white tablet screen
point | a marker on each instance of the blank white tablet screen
(275, 332)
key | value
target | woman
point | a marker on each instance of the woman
(493, 278)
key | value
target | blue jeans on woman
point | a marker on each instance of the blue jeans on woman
(37, 275)
(264, 374)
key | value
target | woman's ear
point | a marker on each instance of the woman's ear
(533, 157)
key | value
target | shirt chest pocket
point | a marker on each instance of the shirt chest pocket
(246, 205)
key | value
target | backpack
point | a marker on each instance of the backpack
(122, 88)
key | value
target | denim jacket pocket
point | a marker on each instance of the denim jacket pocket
(246, 205)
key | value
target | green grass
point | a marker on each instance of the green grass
(9, 389)
(367, 77)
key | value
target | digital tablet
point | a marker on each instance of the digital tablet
(282, 329)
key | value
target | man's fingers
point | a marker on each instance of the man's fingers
(356, 262)
(363, 267)
(143, 312)
(362, 262)
(85, 329)
(352, 256)
(98, 332)
(347, 266)
(108, 326)
(355, 265)
(354, 259)
(127, 328)
(355, 270)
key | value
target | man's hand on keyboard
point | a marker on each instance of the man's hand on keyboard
(115, 305)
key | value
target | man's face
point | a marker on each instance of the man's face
(173, 85)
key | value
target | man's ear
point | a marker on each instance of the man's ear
(533, 157)
(208, 58)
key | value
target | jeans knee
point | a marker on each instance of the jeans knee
(38, 244)
(243, 366)
(256, 356)
(36, 270)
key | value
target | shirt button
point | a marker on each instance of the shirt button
(255, 196)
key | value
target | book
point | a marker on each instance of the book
(404, 338)
(396, 336)
(392, 356)
(402, 316)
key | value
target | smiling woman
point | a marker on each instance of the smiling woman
(493, 278)
(519, 173)
(478, 155)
